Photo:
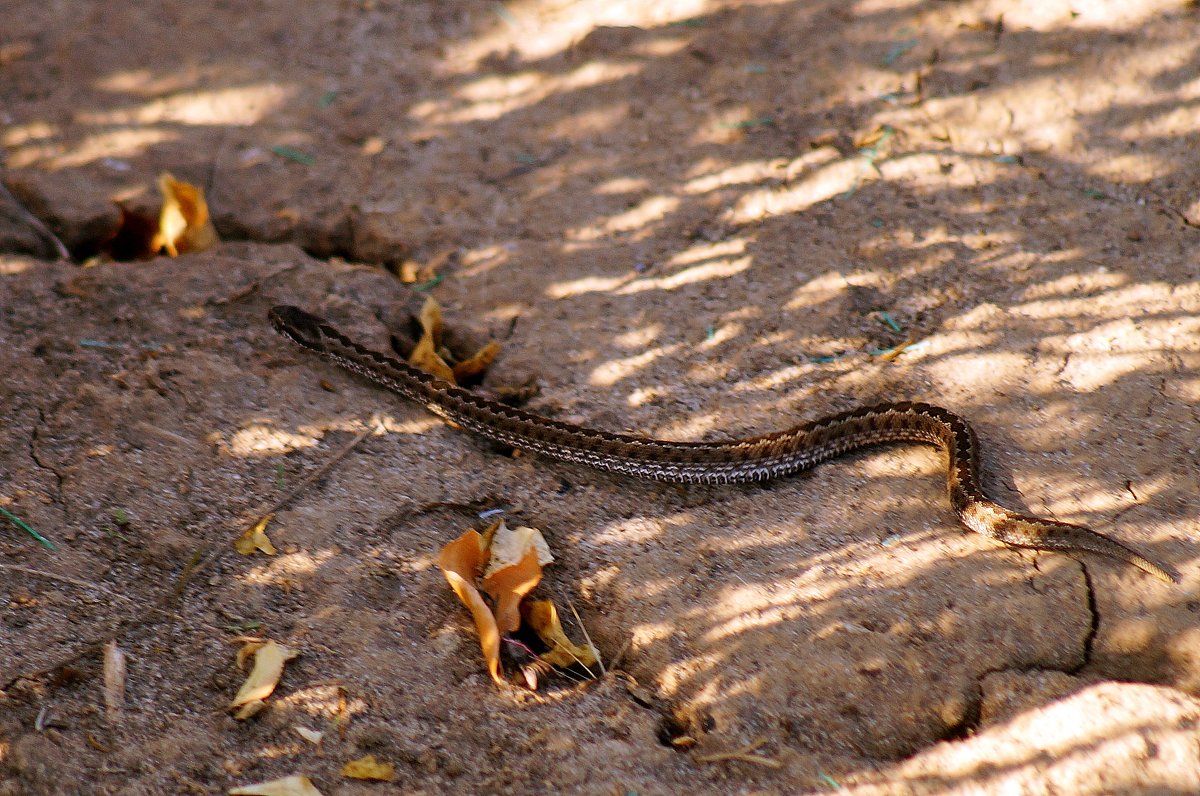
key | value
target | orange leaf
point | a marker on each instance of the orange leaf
(461, 561)
(425, 356)
(508, 585)
(183, 223)
(477, 363)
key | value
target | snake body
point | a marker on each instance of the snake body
(721, 462)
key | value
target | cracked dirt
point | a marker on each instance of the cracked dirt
(684, 219)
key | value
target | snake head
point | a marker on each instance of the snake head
(299, 326)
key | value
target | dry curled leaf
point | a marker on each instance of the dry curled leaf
(461, 561)
(542, 616)
(426, 355)
(114, 680)
(477, 364)
(508, 585)
(269, 658)
(432, 357)
(255, 538)
(367, 767)
(183, 223)
(295, 785)
(506, 564)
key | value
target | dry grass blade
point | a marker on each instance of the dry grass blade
(114, 681)
(743, 755)
(588, 639)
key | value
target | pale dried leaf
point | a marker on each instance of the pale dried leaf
(256, 539)
(268, 668)
(510, 545)
(367, 767)
(295, 785)
(310, 735)
(114, 680)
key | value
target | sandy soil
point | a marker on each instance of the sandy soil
(686, 219)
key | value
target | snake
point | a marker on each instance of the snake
(731, 461)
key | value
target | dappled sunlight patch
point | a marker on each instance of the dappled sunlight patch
(678, 676)
(818, 290)
(587, 284)
(114, 144)
(285, 568)
(615, 370)
(715, 269)
(823, 183)
(992, 368)
(700, 252)
(588, 123)
(21, 134)
(262, 439)
(11, 265)
(1184, 389)
(491, 97)
(234, 107)
(1089, 372)
(695, 426)
(414, 426)
(1070, 284)
(623, 185)
(639, 338)
(326, 701)
(633, 531)
(720, 335)
(649, 210)
(485, 258)
(1138, 167)
(751, 172)
(1058, 746)
(539, 29)
(1104, 14)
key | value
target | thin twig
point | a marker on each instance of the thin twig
(588, 639)
(35, 222)
(743, 755)
(319, 473)
(83, 584)
(212, 554)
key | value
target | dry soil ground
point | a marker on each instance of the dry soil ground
(688, 219)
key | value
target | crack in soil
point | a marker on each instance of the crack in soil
(34, 437)
(1093, 625)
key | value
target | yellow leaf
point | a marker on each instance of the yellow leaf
(425, 356)
(461, 561)
(268, 668)
(542, 616)
(477, 363)
(183, 223)
(368, 767)
(295, 785)
(256, 539)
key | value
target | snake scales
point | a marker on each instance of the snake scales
(724, 462)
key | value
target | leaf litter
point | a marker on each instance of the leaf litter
(269, 659)
(506, 564)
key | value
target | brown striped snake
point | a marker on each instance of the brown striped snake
(726, 462)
